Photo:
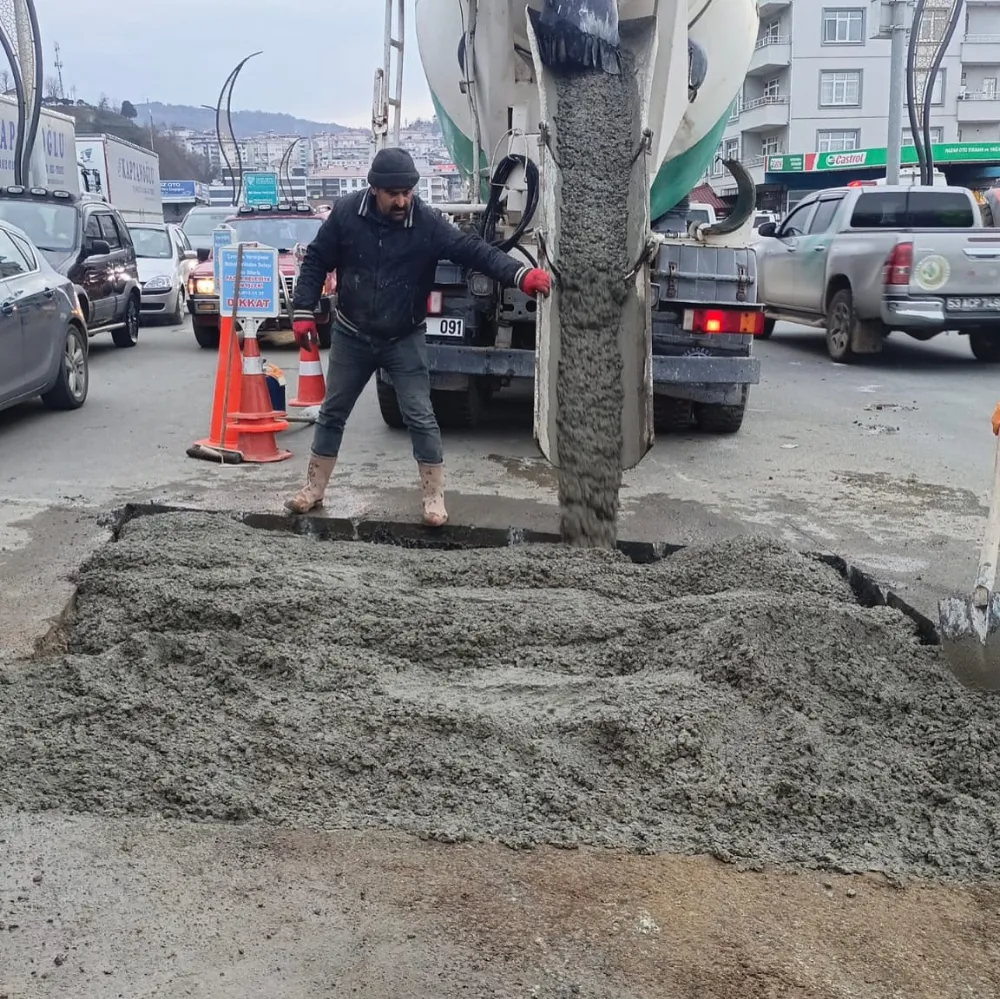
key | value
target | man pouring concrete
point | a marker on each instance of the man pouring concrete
(384, 244)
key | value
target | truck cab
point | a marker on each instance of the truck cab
(283, 226)
(84, 238)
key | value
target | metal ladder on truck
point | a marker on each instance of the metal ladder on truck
(388, 100)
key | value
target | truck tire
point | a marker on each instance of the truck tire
(722, 419)
(325, 331)
(840, 321)
(388, 404)
(458, 410)
(985, 347)
(207, 336)
(767, 331)
(671, 416)
(128, 335)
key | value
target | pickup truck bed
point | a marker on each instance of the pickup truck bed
(863, 262)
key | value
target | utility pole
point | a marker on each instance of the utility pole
(901, 13)
(59, 68)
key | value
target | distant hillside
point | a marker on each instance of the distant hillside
(245, 123)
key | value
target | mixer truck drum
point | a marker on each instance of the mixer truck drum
(578, 34)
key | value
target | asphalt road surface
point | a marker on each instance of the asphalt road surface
(887, 463)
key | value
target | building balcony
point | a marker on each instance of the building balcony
(981, 50)
(974, 108)
(770, 55)
(769, 9)
(764, 114)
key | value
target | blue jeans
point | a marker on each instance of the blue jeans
(353, 361)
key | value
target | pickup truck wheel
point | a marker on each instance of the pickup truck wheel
(325, 331)
(671, 416)
(207, 336)
(128, 335)
(459, 410)
(840, 323)
(985, 347)
(767, 331)
(722, 419)
(388, 404)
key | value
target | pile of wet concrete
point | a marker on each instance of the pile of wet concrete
(732, 699)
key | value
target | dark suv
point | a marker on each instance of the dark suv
(86, 240)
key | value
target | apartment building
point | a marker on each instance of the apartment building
(818, 82)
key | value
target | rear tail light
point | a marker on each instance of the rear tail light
(898, 265)
(724, 321)
(435, 303)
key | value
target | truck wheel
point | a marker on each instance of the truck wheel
(325, 331)
(840, 321)
(458, 410)
(128, 335)
(388, 404)
(985, 347)
(207, 336)
(671, 416)
(767, 331)
(722, 419)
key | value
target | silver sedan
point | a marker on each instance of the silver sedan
(43, 336)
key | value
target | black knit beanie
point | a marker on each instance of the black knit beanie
(393, 170)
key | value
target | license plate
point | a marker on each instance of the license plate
(446, 327)
(987, 303)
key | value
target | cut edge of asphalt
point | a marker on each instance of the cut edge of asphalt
(867, 590)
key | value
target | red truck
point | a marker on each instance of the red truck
(284, 227)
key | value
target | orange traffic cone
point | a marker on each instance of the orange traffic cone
(221, 444)
(312, 384)
(258, 422)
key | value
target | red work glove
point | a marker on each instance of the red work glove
(305, 332)
(996, 420)
(536, 282)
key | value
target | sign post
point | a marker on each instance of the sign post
(224, 235)
(261, 189)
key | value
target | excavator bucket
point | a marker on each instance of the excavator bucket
(562, 46)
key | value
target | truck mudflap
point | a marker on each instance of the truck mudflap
(512, 363)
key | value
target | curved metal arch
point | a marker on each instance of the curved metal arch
(285, 168)
(15, 69)
(225, 101)
(31, 132)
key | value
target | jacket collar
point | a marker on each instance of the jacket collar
(369, 209)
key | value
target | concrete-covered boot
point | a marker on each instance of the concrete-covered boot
(310, 496)
(432, 483)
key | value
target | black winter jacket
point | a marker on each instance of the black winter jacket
(385, 270)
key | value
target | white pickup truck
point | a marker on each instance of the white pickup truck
(862, 262)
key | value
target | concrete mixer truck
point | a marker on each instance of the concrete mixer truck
(690, 314)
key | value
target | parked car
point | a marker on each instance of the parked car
(43, 336)
(199, 223)
(865, 261)
(285, 227)
(165, 260)
(86, 240)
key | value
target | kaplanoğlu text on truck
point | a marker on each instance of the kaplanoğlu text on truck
(694, 314)
(285, 227)
(863, 262)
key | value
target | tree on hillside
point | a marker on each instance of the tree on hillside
(103, 104)
(128, 110)
(6, 80)
(52, 90)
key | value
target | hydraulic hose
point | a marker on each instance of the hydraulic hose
(911, 87)
(929, 89)
(498, 183)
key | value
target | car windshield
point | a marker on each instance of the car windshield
(49, 226)
(198, 224)
(151, 242)
(281, 233)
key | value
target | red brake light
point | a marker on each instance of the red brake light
(898, 265)
(724, 321)
(435, 303)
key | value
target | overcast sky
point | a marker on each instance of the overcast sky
(319, 56)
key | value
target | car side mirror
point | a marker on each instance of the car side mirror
(98, 248)
(768, 229)
(203, 254)
(189, 255)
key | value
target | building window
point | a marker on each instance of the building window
(989, 90)
(770, 145)
(731, 149)
(840, 89)
(937, 96)
(734, 109)
(838, 140)
(844, 27)
(772, 88)
(717, 167)
(937, 136)
(933, 25)
(770, 34)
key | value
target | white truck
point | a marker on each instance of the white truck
(53, 160)
(127, 175)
